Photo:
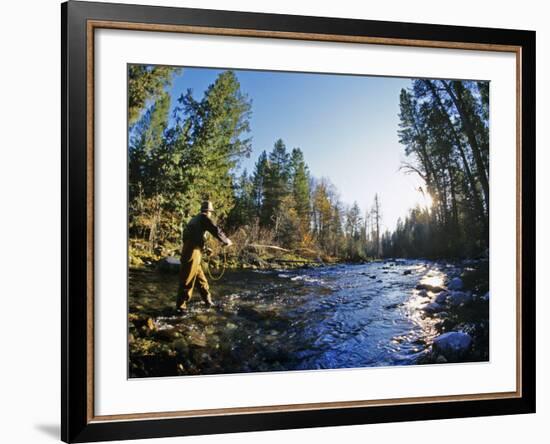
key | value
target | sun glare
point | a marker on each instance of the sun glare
(428, 201)
(423, 198)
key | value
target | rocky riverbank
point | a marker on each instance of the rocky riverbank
(460, 309)
(247, 256)
(390, 312)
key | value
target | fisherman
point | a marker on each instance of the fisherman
(190, 263)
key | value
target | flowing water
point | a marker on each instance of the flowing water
(338, 316)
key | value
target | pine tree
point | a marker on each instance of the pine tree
(276, 185)
(146, 83)
(173, 168)
(300, 191)
(353, 232)
(146, 182)
(445, 131)
(213, 136)
(243, 212)
(259, 179)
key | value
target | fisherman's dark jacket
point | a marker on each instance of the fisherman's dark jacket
(193, 235)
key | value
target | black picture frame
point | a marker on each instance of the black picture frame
(77, 424)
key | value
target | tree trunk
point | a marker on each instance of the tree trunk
(428, 166)
(458, 144)
(456, 96)
(454, 208)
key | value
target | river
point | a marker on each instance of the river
(338, 316)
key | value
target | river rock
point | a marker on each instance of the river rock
(467, 327)
(181, 346)
(407, 272)
(170, 264)
(453, 345)
(256, 261)
(433, 307)
(164, 335)
(455, 284)
(258, 314)
(428, 287)
(197, 339)
(457, 298)
(441, 298)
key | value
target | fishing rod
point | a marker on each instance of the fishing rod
(208, 254)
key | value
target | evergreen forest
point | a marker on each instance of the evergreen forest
(182, 153)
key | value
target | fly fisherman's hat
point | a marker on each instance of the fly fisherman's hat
(207, 206)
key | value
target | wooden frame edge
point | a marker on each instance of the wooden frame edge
(519, 222)
(335, 38)
(284, 408)
(91, 25)
(90, 119)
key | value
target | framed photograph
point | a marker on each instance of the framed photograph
(275, 221)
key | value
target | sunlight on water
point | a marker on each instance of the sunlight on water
(420, 298)
(435, 278)
(341, 316)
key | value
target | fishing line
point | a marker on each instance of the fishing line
(209, 272)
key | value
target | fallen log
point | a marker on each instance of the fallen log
(289, 261)
(273, 247)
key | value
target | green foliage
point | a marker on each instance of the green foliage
(276, 184)
(299, 176)
(445, 130)
(244, 210)
(259, 182)
(177, 160)
(146, 83)
(289, 231)
(146, 195)
(210, 143)
(355, 241)
(172, 169)
(327, 217)
(278, 195)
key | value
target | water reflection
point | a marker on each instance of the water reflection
(333, 317)
(434, 278)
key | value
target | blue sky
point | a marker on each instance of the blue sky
(345, 125)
